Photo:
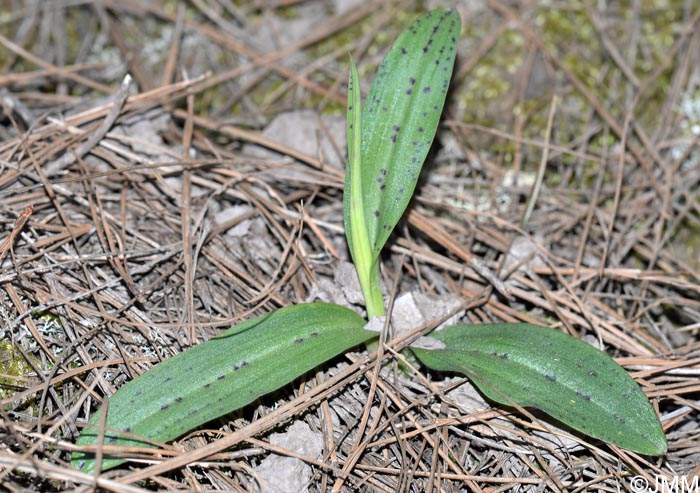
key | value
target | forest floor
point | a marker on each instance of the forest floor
(142, 215)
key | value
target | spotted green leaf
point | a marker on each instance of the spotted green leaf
(389, 139)
(568, 379)
(401, 115)
(223, 374)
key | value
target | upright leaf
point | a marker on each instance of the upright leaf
(568, 379)
(223, 374)
(401, 115)
(353, 204)
(389, 139)
(352, 198)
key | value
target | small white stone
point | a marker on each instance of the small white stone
(345, 276)
(376, 324)
(282, 474)
(427, 342)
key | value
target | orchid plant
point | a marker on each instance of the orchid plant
(517, 365)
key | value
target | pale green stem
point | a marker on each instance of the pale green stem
(373, 294)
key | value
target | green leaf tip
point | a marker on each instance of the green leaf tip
(568, 379)
(221, 375)
(389, 139)
(401, 116)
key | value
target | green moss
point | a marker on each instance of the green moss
(288, 12)
(487, 94)
(484, 90)
(685, 244)
(13, 370)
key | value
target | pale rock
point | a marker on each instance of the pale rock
(231, 213)
(282, 474)
(302, 131)
(327, 291)
(524, 252)
(415, 308)
(466, 396)
(345, 276)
